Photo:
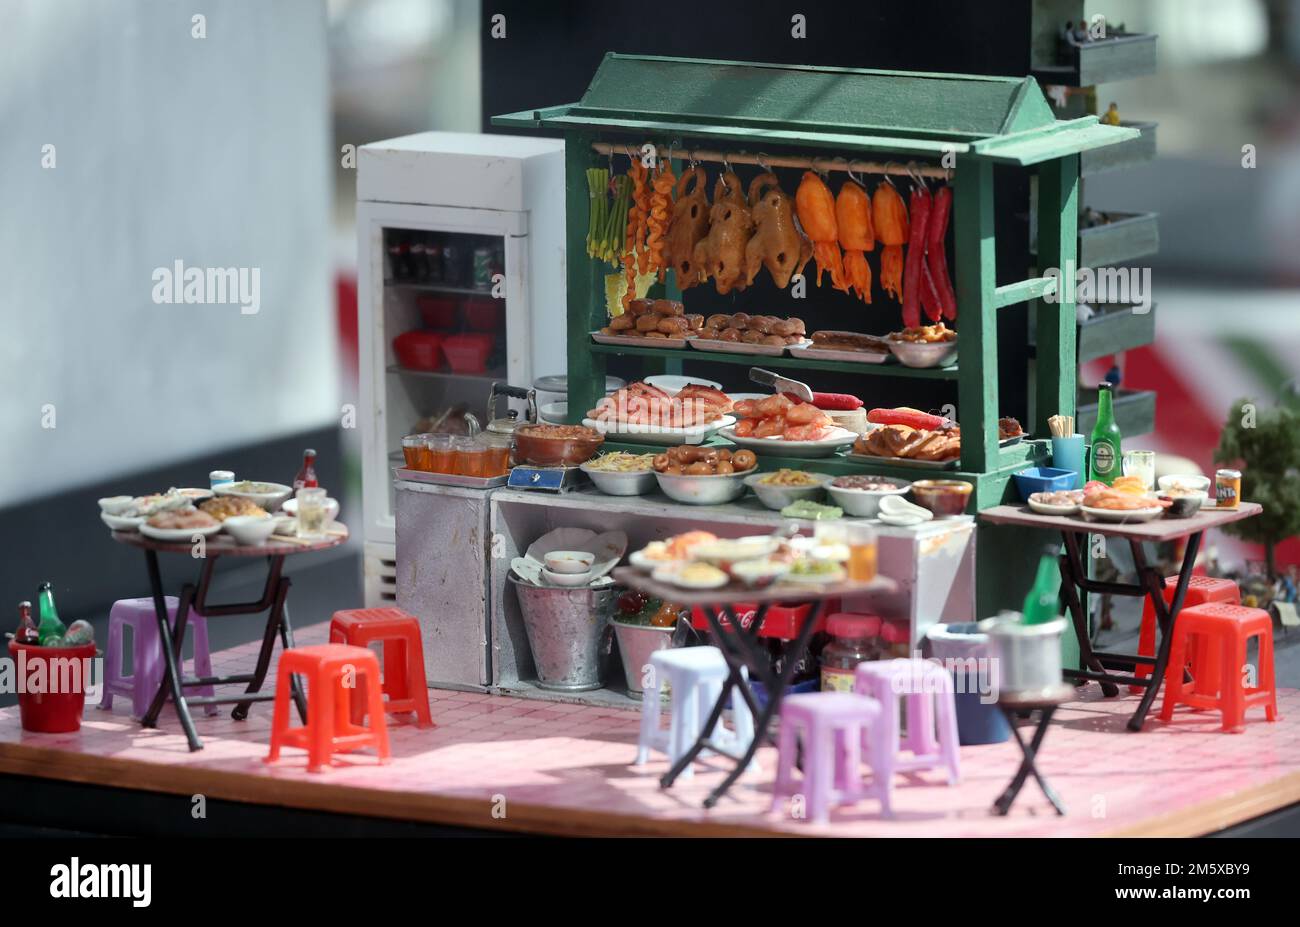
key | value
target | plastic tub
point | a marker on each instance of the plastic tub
(437, 311)
(468, 353)
(1043, 479)
(419, 350)
(961, 648)
(52, 712)
(484, 315)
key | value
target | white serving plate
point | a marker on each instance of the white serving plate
(122, 522)
(812, 352)
(909, 462)
(645, 564)
(669, 574)
(1043, 508)
(639, 342)
(177, 534)
(665, 435)
(673, 384)
(731, 550)
(738, 347)
(818, 580)
(608, 547)
(1134, 515)
(779, 447)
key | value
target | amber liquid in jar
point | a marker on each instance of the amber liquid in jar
(497, 461)
(441, 460)
(862, 562)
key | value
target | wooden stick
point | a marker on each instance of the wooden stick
(816, 164)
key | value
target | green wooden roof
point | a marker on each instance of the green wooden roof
(1002, 119)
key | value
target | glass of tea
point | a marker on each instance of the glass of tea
(467, 456)
(311, 512)
(861, 540)
(413, 451)
(438, 449)
(496, 453)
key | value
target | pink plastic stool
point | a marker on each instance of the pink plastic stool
(833, 727)
(147, 664)
(928, 689)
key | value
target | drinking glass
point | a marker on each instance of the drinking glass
(467, 456)
(311, 512)
(438, 447)
(1141, 464)
(413, 451)
(861, 539)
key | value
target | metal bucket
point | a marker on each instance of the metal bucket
(568, 632)
(635, 645)
(1029, 656)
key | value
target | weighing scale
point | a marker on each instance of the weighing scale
(549, 479)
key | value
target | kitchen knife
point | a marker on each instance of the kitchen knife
(780, 384)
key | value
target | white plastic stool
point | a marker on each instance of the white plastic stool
(695, 676)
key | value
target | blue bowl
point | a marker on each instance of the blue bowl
(1043, 479)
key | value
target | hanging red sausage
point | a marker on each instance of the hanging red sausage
(936, 256)
(919, 214)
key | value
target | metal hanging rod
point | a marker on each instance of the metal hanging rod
(761, 160)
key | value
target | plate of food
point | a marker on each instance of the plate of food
(735, 550)
(924, 345)
(179, 525)
(781, 488)
(658, 323)
(781, 426)
(621, 474)
(1058, 502)
(742, 333)
(703, 475)
(814, 571)
(844, 346)
(676, 549)
(691, 576)
(267, 496)
(224, 507)
(1126, 500)
(644, 413)
(122, 522)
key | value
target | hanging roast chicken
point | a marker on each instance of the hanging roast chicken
(721, 253)
(689, 224)
(856, 234)
(776, 244)
(816, 208)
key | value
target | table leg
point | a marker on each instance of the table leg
(1166, 617)
(273, 620)
(1072, 571)
(775, 690)
(1029, 763)
(173, 677)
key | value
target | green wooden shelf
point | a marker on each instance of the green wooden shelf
(1135, 411)
(1124, 155)
(1119, 57)
(759, 360)
(1128, 237)
(1115, 329)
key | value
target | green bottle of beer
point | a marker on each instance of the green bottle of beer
(1041, 603)
(50, 627)
(1104, 462)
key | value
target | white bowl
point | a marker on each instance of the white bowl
(703, 490)
(566, 579)
(778, 497)
(115, 505)
(923, 354)
(1193, 481)
(122, 522)
(270, 500)
(865, 503)
(611, 483)
(557, 413)
(570, 561)
(249, 530)
(290, 508)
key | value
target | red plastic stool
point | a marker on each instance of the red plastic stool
(1225, 629)
(1200, 590)
(403, 681)
(329, 669)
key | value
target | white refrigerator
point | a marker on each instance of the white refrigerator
(460, 282)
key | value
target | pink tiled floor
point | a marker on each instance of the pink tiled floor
(573, 757)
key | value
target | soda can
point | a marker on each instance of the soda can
(482, 268)
(451, 270)
(1227, 489)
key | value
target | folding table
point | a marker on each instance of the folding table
(741, 646)
(1151, 583)
(273, 601)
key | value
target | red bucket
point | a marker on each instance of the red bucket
(48, 711)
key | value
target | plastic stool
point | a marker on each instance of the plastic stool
(928, 690)
(833, 726)
(1200, 590)
(1226, 630)
(148, 668)
(403, 680)
(329, 728)
(695, 676)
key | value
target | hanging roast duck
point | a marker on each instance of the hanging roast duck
(689, 224)
(721, 254)
(776, 244)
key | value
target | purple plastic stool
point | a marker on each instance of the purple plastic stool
(833, 727)
(147, 665)
(928, 688)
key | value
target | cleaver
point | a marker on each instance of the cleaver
(781, 384)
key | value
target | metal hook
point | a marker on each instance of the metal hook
(762, 162)
(887, 176)
(861, 182)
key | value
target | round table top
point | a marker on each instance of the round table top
(223, 545)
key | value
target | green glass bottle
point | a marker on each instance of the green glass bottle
(1104, 461)
(50, 627)
(1041, 603)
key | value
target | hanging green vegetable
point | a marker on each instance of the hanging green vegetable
(616, 226)
(597, 190)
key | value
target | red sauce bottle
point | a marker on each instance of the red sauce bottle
(307, 475)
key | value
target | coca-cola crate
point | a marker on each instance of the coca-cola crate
(782, 621)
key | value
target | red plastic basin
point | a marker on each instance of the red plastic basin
(485, 315)
(468, 353)
(419, 350)
(437, 311)
(48, 711)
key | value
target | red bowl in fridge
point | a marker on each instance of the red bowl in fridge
(468, 353)
(419, 350)
(437, 311)
(484, 315)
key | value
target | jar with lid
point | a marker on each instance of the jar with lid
(895, 640)
(853, 642)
